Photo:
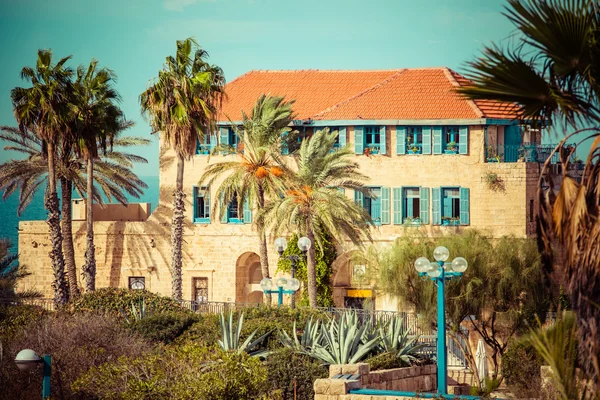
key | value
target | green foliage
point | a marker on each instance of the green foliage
(163, 327)
(207, 331)
(394, 338)
(325, 256)
(521, 368)
(13, 318)
(231, 337)
(187, 372)
(115, 301)
(489, 385)
(285, 367)
(386, 360)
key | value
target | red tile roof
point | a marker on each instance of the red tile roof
(421, 93)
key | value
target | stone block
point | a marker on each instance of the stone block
(338, 386)
(335, 369)
(363, 368)
(322, 386)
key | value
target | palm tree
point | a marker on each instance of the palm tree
(112, 174)
(558, 83)
(43, 108)
(258, 171)
(96, 119)
(314, 203)
(183, 104)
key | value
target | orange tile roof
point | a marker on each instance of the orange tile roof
(421, 93)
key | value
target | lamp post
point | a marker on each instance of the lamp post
(290, 286)
(440, 271)
(28, 359)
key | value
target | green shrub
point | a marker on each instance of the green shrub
(206, 331)
(521, 368)
(187, 372)
(76, 344)
(286, 366)
(116, 301)
(14, 318)
(387, 360)
(163, 327)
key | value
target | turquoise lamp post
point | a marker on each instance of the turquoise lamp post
(440, 271)
(28, 359)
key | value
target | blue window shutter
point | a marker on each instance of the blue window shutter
(463, 141)
(424, 205)
(437, 140)
(382, 140)
(194, 201)
(385, 205)
(436, 216)
(342, 136)
(464, 206)
(359, 140)
(400, 140)
(213, 141)
(426, 132)
(397, 206)
(376, 210)
(225, 210)
(207, 204)
(284, 144)
(247, 212)
(358, 198)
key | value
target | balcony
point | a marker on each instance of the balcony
(527, 152)
(372, 149)
(414, 148)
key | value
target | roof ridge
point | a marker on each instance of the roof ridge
(450, 74)
(321, 70)
(369, 89)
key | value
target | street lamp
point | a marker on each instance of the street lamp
(28, 359)
(440, 271)
(286, 286)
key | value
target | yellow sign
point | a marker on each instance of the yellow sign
(359, 293)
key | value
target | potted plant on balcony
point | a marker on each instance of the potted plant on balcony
(451, 148)
(367, 151)
(413, 150)
(491, 154)
(450, 221)
(412, 220)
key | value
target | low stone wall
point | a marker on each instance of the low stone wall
(359, 376)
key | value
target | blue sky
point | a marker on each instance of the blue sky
(133, 37)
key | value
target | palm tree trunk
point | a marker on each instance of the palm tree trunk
(311, 268)
(177, 231)
(67, 232)
(61, 292)
(89, 269)
(262, 235)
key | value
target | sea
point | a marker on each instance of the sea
(9, 220)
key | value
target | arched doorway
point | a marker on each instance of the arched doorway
(247, 279)
(351, 289)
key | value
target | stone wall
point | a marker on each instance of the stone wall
(358, 376)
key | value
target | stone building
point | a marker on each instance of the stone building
(436, 161)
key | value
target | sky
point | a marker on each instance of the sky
(133, 37)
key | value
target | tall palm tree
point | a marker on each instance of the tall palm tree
(258, 171)
(183, 104)
(314, 203)
(43, 108)
(112, 174)
(558, 82)
(96, 120)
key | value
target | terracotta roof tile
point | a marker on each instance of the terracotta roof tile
(424, 93)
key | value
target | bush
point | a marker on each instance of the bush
(13, 318)
(75, 342)
(386, 360)
(187, 372)
(285, 366)
(116, 301)
(206, 331)
(164, 327)
(521, 368)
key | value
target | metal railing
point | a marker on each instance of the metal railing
(527, 152)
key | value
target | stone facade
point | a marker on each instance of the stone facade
(226, 255)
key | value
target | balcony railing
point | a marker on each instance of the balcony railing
(527, 152)
(414, 148)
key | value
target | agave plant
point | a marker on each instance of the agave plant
(138, 312)
(395, 339)
(311, 335)
(342, 341)
(231, 334)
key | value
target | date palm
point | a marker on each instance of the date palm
(313, 202)
(258, 170)
(43, 108)
(112, 175)
(183, 104)
(559, 81)
(96, 120)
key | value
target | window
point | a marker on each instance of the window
(234, 214)
(200, 290)
(451, 138)
(201, 200)
(377, 204)
(412, 205)
(372, 139)
(137, 282)
(233, 138)
(205, 145)
(450, 206)
(414, 140)
(373, 205)
(227, 137)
